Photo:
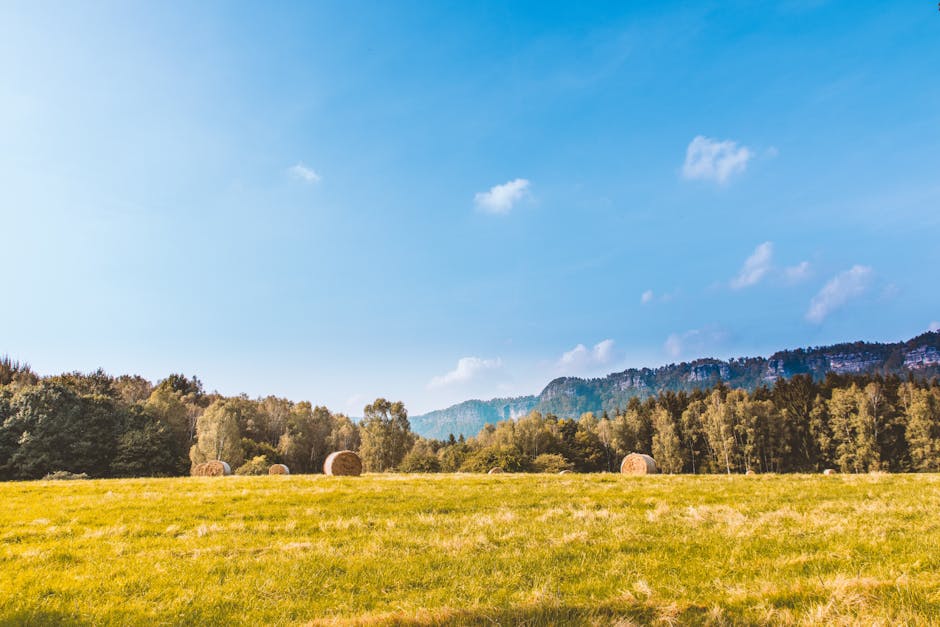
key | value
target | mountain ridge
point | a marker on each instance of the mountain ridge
(572, 396)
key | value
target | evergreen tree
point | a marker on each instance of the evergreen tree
(794, 400)
(57, 429)
(147, 451)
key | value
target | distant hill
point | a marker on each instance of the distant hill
(468, 417)
(572, 396)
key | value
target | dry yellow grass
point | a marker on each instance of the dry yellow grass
(472, 549)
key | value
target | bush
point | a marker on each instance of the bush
(255, 466)
(417, 461)
(509, 458)
(452, 457)
(551, 462)
(257, 449)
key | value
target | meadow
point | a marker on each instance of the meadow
(471, 549)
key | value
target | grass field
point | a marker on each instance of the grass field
(507, 549)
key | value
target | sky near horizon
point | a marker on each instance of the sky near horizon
(433, 202)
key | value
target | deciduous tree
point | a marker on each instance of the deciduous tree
(386, 435)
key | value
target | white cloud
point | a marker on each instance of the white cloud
(839, 290)
(799, 272)
(673, 344)
(755, 267)
(693, 341)
(581, 357)
(501, 198)
(649, 297)
(577, 354)
(305, 174)
(760, 265)
(467, 369)
(934, 326)
(712, 160)
(603, 351)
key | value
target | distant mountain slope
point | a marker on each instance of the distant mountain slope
(572, 396)
(468, 418)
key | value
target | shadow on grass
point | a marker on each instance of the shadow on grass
(41, 617)
(534, 615)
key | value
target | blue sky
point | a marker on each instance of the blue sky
(440, 201)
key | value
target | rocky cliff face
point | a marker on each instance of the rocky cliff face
(572, 396)
(921, 358)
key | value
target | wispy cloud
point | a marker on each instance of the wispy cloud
(838, 291)
(708, 159)
(759, 266)
(468, 368)
(755, 267)
(694, 342)
(303, 173)
(934, 326)
(581, 357)
(798, 273)
(501, 198)
(649, 297)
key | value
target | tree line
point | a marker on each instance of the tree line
(124, 426)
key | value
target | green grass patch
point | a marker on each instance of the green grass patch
(470, 549)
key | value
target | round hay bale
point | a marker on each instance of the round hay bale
(750, 471)
(217, 468)
(198, 470)
(565, 472)
(830, 471)
(342, 463)
(278, 469)
(495, 471)
(638, 464)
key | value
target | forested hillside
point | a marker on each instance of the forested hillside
(468, 417)
(572, 396)
(103, 426)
